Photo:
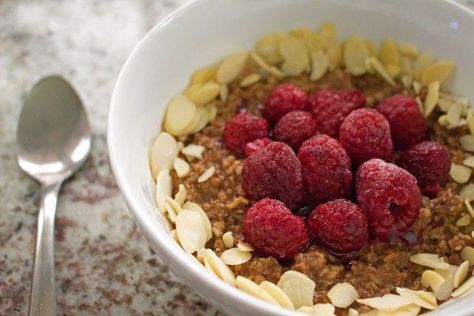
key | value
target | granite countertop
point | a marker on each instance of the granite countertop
(103, 264)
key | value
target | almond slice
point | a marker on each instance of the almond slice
(467, 253)
(219, 267)
(468, 285)
(334, 52)
(235, 256)
(388, 302)
(181, 167)
(408, 310)
(270, 69)
(204, 75)
(429, 260)
(465, 220)
(173, 204)
(171, 212)
(253, 289)
(443, 120)
(454, 98)
(205, 94)
(250, 80)
(352, 312)
(244, 246)
(461, 273)
(278, 295)
(408, 49)
(162, 153)
(211, 112)
(268, 48)
(318, 310)
(209, 267)
(417, 87)
(438, 71)
(228, 240)
(355, 54)
(320, 65)
(470, 122)
(444, 291)
(200, 254)
(207, 174)
(371, 47)
(419, 299)
(432, 279)
(181, 195)
(295, 56)
(380, 69)
(393, 70)
(407, 81)
(193, 151)
(231, 67)
(163, 188)
(193, 207)
(467, 142)
(469, 207)
(460, 173)
(224, 92)
(342, 295)
(191, 230)
(388, 54)
(328, 30)
(431, 98)
(298, 287)
(467, 192)
(179, 116)
(406, 66)
(454, 113)
(422, 62)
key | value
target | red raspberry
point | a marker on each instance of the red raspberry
(365, 133)
(294, 128)
(326, 169)
(284, 98)
(275, 172)
(330, 107)
(244, 128)
(389, 196)
(429, 162)
(256, 145)
(339, 225)
(407, 124)
(271, 228)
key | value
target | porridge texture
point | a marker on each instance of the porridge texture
(427, 256)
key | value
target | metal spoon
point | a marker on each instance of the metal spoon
(53, 139)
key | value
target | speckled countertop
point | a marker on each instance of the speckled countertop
(103, 263)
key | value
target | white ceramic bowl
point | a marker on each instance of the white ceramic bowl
(207, 30)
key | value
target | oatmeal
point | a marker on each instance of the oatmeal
(425, 250)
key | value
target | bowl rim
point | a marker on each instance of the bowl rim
(158, 237)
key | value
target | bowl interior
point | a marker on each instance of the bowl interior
(204, 32)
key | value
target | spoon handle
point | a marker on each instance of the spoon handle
(43, 294)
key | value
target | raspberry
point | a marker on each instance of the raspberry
(389, 196)
(284, 98)
(294, 128)
(407, 124)
(340, 226)
(271, 228)
(429, 162)
(330, 107)
(365, 133)
(244, 128)
(326, 169)
(275, 172)
(256, 145)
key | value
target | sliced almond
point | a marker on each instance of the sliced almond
(171, 212)
(438, 71)
(181, 167)
(235, 256)
(224, 92)
(200, 254)
(268, 68)
(318, 310)
(209, 267)
(355, 54)
(193, 207)
(174, 235)
(191, 230)
(194, 151)
(467, 142)
(173, 204)
(180, 114)
(454, 98)
(343, 294)
(443, 120)
(371, 47)
(250, 80)
(467, 192)
(205, 94)
(162, 153)
(313, 42)
(368, 66)
(422, 62)
(278, 295)
(388, 302)
(328, 30)
(469, 207)
(461, 273)
(164, 187)
(253, 289)
(320, 65)
(201, 120)
(334, 52)
(465, 220)
(244, 246)
(352, 312)
(418, 297)
(206, 175)
(295, 56)
(228, 240)
(460, 173)
(468, 285)
(298, 287)
(211, 112)
(470, 122)
(432, 279)
(431, 98)
(393, 70)
(231, 67)
(181, 195)
(388, 53)
(417, 87)
(407, 81)
(380, 69)
(454, 114)
(406, 66)
(408, 49)
(204, 75)
(429, 260)
(467, 253)
(444, 291)
(277, 73)
(219, 267)
(408, 310)
(268, 48)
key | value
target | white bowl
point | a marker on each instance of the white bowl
(203, 32)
